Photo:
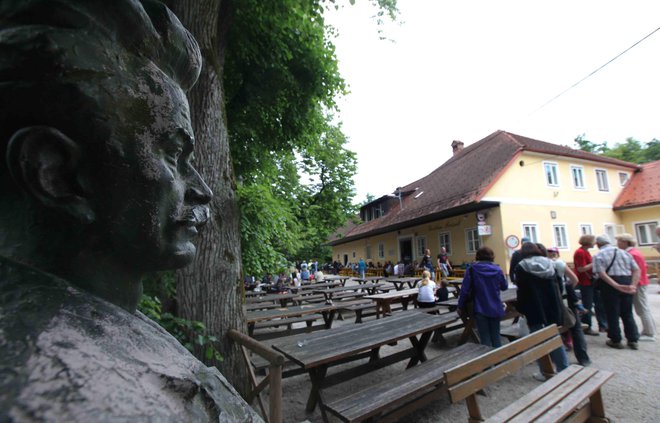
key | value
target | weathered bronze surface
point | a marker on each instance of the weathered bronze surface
(97, 189)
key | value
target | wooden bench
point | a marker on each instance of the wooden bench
(573, 393)
(400, 394)
(366, 309)
(309, 319)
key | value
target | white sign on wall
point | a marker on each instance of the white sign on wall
(484, 230)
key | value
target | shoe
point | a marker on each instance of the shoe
(646, 338)
(633, 345)
(617, 345)
(539, 377)
(589, 331)
(585, 363)
(602, 330)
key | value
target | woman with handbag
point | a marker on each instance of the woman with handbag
(482, 284)
(538, 295)
(574, 304)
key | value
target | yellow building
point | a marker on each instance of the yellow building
(495, 191)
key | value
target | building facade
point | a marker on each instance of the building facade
(498, 190)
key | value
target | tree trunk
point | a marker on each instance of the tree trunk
(210, 289)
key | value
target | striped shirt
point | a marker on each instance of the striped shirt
(623, 264)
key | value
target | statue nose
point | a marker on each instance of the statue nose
(197, 191)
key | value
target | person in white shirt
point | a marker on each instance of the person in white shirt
(426, 296)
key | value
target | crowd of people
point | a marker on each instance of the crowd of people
(606, 287)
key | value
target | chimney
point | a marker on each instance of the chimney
(457, 146)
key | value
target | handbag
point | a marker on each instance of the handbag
(595, 280)
(568, 316)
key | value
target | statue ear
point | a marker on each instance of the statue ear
(47, 165)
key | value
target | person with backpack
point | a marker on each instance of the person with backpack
(427, 263)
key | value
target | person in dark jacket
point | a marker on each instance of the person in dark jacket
(483, 281)
(538, 295)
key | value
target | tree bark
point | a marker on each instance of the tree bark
(210, 289)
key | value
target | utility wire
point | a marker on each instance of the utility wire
(592, 73)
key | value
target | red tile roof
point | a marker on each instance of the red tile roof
(458, 184)
(643, 189)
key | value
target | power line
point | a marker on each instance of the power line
(592, 73)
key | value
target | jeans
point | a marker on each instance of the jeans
(619, 305)
(489, 330)
(591, 299)
(579, 343)
(558, 355)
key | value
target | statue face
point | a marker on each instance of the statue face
(152, 200)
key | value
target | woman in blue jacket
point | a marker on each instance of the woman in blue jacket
(483, 282)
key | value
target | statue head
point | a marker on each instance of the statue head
(96, 141)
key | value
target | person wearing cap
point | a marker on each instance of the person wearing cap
(515, 259)
(619, 275)
(627, 242)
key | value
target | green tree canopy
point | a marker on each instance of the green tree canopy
(294, 171)
(631, 150)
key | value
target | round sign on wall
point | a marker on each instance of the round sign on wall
(512, 241)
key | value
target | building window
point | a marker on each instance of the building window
(601, 178)
(420, 243)
(472, 242)
(381, 250)
(646, 233)
(551, 174)
(445, 241)
(561, 240)
(530, 230)
(577, 174)
(353, 254)
(369, 252)
(623, 178)
(585, 229)
(612, 230)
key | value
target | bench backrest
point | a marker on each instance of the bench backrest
(465, 380)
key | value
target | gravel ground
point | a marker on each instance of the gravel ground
(632, 395)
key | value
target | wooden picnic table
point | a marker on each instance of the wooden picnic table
(313, 286)
(316, 352)
(332, 278)
(327, 310)
(399, 282)
(384, 300)
(456, 283)
(368, 279)
(273, 297)
(330, 292)
(508, 297)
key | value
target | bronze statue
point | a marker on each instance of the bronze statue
(97, 189)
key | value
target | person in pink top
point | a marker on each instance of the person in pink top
(627, 242)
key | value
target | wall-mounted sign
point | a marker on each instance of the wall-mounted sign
(512, 241)
(485, 230)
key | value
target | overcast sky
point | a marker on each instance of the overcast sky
(460, 70)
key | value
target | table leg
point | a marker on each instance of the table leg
(419, 345)
(250, 329)
(468, 332)
(328, 317)
(387, 310)
(316, 375)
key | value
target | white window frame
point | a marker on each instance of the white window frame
(447, 245)
(606, 180)
(652, 238)
(588, 226)
(420, 246)
(381, 250)
(367, 253)
(579, 169)
(535, 227)
(612, 230)
(560, 238)
(472, 243)
(627, 178)
(555, 174)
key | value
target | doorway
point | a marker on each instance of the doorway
(405, 250)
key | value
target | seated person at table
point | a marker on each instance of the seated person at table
(426, 296)
(482, 284)
(281, 285)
